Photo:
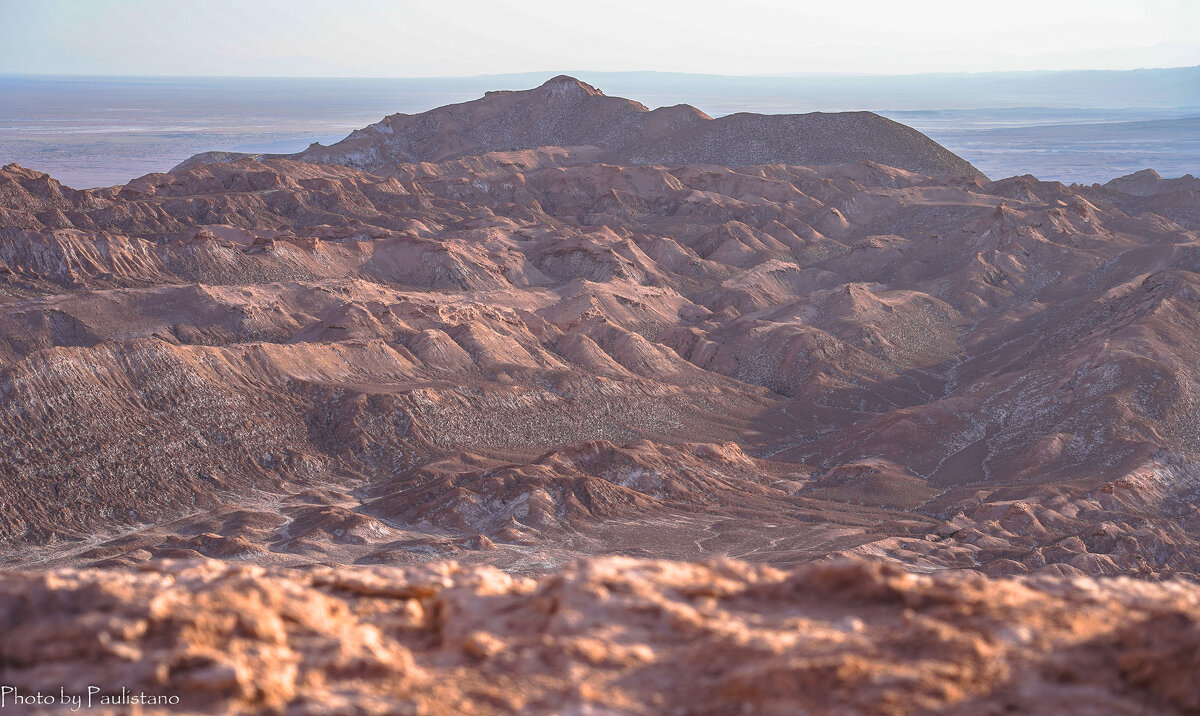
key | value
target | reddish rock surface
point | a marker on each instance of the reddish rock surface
(612, 636)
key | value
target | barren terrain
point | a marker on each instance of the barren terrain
(603, 636)
(432, 341)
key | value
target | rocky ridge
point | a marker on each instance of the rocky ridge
(565, 112)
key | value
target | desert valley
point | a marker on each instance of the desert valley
(526, 403)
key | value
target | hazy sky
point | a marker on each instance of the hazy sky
(434, 38)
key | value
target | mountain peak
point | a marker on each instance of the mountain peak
(565, 85)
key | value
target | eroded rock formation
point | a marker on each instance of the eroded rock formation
(287, 361)
(614, 636)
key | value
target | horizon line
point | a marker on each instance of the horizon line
(572, 73)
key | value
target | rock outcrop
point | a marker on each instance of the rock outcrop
(614, 636)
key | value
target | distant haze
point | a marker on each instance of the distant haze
(1071, 126)
(387, 38)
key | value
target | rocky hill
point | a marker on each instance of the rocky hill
(565, 112)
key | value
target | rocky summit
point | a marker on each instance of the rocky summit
(565, 112)
(907, 435)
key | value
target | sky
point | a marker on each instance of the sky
(402, 38)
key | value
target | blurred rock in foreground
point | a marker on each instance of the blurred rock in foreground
(604, 636)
